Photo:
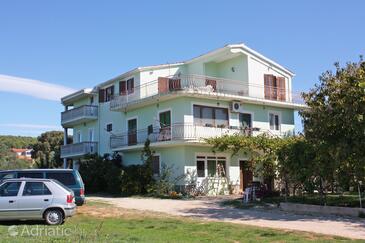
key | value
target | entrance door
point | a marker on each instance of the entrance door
(132, 132)
(246, 175)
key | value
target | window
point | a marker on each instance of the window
(7, 175)
(10, 189)
(109, 92)
(210, 165)
(109, 127)
(274, 121)
(245, 120)
(91, 100)
(30, 174)
(200, 168)
(210, 116)
(66, 178)
(156, 165)
(130, 85)
(274, 87)
(165, 119)
(36, 189)
(132, 132)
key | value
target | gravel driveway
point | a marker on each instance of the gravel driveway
(210, 209)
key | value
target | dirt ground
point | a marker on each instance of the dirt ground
(210, 209)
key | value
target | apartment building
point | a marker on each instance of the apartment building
(230, 90)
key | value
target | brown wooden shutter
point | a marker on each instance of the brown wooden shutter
(163, 85)
(130, 85)
(281, 88)
(212, 83)
(101, 95)
(267, 85)
(122, 88)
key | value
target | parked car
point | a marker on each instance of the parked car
(68, 177)
(27, 198)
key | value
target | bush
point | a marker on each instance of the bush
(102, 174)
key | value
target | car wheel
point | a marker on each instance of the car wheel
(53, 217)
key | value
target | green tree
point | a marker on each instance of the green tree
(335, 124)
(46, 151)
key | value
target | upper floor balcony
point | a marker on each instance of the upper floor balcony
(179, 132)
(206, 86)
(79, 115)
(76, 150)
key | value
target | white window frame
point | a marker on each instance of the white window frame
(210, 105)
(206, 155)
(246, 112)
(275, 113)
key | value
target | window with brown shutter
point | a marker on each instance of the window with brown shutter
(109, 92)
(270, 87)
(122, 87)
(163, 85)
(101, 95)
(130, 85)
(281, 88)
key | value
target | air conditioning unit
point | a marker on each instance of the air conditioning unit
(235, 106)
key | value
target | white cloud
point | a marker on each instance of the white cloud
(31, 126)
(33, 88)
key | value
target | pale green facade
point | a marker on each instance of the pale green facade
(239, 78)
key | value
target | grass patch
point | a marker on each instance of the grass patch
(130, 226)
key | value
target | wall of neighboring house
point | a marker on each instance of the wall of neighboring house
(258, 69)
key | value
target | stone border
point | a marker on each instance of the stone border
(316, 209)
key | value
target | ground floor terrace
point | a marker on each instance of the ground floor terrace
(214, 173)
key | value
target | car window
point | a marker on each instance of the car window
(7, 175)
(30, 174)
(9, 189)
(66, 178)
(35, 189)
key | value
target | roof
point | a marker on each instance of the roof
(240, 47)
(37, 170)
(16, 150)
(68, 99)
(27, 179)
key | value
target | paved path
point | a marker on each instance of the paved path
(211, 210)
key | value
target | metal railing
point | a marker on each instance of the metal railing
(207, 85)
(179, 132)
(85, 111)
(78, 149)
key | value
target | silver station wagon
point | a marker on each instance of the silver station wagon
(35, 199)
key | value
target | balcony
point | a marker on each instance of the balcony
(206, 86)
(76, 150)
(79, 115)
(176, 132)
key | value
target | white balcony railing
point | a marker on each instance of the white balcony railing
(196, 84)
(78, 149)
(178, 132)
(79, 114)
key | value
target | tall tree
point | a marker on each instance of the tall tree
(335, 121)
(46, 151)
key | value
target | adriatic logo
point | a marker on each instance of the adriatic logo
(13, 230)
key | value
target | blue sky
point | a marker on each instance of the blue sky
(77, 44)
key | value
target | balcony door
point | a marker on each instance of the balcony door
(165, 126)
(132, 131)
